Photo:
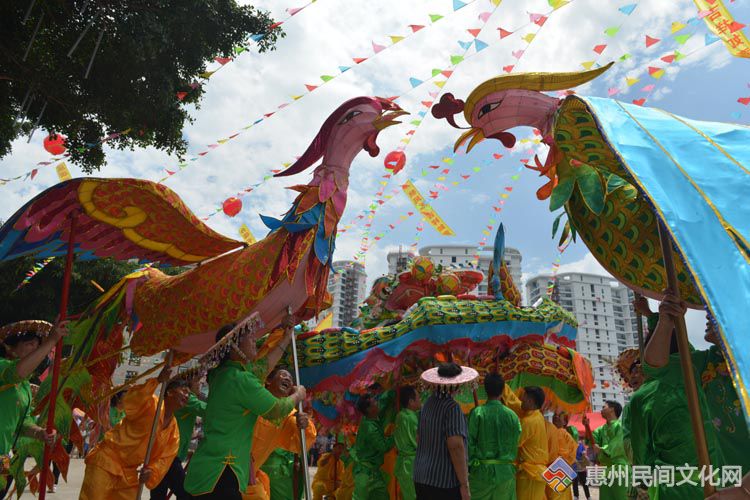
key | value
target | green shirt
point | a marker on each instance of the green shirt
(405, 434)
(15, 404)
(724, 407)
(494, 432)
(371, 444)
(186, 421)
(279, 466)
(609, 438)
(236, 398)
(573, 432)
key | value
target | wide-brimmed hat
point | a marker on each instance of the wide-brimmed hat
(443, 383)
(34, 326)
(231, 340)
(625, 362)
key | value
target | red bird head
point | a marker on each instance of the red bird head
(354, 126)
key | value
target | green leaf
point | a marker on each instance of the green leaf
(561, 193)
(555, 224)
(590, 185)
(565, 233)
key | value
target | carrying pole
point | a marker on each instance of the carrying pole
(303, 439)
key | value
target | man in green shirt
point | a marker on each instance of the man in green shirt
(608, 444)
(494, 433)
(220, 466)
(25, 345)
(369, 450)
(186, 416)
(405, 437)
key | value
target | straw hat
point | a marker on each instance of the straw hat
(37, 327)
(447, 384)
(230, 341)
(625, 362)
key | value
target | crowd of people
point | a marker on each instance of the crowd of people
(250, 443)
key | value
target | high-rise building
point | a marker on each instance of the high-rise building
(463, 256)
(398, 261)
(607, 323)
(347, 283)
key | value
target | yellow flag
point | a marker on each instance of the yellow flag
(631, 81)
(326, 322)
(396, 39)
(296, 97)
(440, 83)
(658, 74)
(528, 38)
(62, 172)
(587, 64)
(677, 26)
(723, 25)
(246, 234)
(430, 216)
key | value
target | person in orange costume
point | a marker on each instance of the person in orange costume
(268, 436)
(112, 467)
(566, 448)
(330, 474)
(533, 453)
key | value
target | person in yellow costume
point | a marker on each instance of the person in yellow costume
(331, 469)
(533, 452)
(270, 435)
(566, 449)
(113, 466)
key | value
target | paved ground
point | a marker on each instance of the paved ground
(69, 490)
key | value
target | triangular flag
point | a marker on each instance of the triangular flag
(599, 48)
(181, 95)
(624, 57)
(651, 41)
(744, 100)
(587, 64)
(293, 11)
(311, 87)
(436, 72)
(447, 73)
(457, 4)
(480, 45)
(528, 38)
(395, 38)
(377, 48)
(678, 56)
(296, 97)
(474, 32)
(612, 91)
(612, 31)
(359, 60)
(343, 69)
(504, 33)
(415, 82)
(239, 49)
(677, 26)
(682, 39)
(464, 45)
(639, 102)
(711, 38)
(415, 27)
(456, 60)
(440, 83)
(257, 38)
(632, 81)
(735, 26)
(326, 78)
(485, 16)
(648, 88)
(435, 17)
(668, 59)
(206, 74)
(628, 9)
(540, 22)
(508, 69)
(222, 60)
(655, 72)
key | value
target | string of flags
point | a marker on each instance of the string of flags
(33, 272)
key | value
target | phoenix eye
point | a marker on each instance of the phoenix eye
(349, 116)
(488, 107)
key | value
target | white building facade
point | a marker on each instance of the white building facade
(347, 283)
(606, 319)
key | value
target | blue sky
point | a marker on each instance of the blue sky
(328, 33)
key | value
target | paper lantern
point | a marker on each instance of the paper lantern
(395, 161)
(55, 144)
(448, 283)
(232, 206)
(422, 269)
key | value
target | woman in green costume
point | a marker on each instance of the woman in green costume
(220, 466)
(25, 344)
(405, 437)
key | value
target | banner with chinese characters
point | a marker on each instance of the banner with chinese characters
(721, 22)
(430, 216)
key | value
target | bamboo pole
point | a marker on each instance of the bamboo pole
(303, 439)
(155, 424)
(639, 327)
(686, 362)
(52, 401)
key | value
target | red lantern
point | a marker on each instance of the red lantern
(232, 206)
(55, 144)
(395, 161)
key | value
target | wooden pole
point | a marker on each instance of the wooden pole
(155, 425)
(52, 400)
(639, 327)
(686, 362)
(303, 439)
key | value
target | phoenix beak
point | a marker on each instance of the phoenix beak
(388, 119)
(475, 134)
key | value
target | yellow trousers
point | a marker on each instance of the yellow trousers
(99, 484)
(259, 490)
(528, 489)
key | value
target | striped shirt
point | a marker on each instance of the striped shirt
(441, 418)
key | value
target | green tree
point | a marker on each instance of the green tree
(148, 51)
(40, 298)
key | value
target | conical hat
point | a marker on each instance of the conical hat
(531, 81)
(35, 326)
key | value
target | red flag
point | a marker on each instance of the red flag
(311, 87)
(222, 60)
(504, 33)
(651, 41)
(744, 100)
(508, 69)
(181, 95)
(600, 48)
(474, 32)
(639, 102)
(359, 60)
(415, 27)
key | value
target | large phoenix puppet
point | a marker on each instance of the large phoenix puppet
(618, 170)
(126, 218)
